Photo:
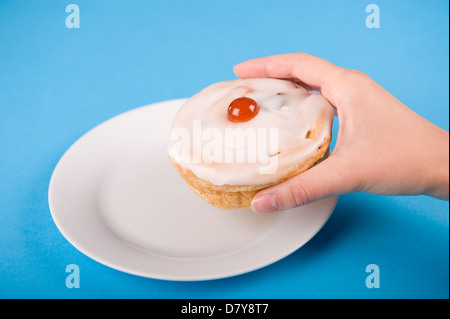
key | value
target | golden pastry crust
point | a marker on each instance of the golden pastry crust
(240, 196)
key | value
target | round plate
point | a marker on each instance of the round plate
(116, 197)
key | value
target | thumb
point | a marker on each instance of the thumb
(324, 179)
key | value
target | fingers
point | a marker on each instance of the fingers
(313, 71)
(325, 179)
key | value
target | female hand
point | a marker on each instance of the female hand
(382, 146)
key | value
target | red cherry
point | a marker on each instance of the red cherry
(242, 109)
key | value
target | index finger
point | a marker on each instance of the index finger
(312, 70)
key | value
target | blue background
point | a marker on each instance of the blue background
(57, 83)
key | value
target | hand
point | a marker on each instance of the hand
(382, 146)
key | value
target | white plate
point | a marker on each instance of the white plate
(116, 197)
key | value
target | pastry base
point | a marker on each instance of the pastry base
(240, 196)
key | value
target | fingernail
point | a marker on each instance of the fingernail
(265, 203)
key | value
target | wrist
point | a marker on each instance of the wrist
(438, 168)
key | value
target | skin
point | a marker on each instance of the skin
(382, 147)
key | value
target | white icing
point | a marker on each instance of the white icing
(290, 114)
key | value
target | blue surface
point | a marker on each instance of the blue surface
(57, 83)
